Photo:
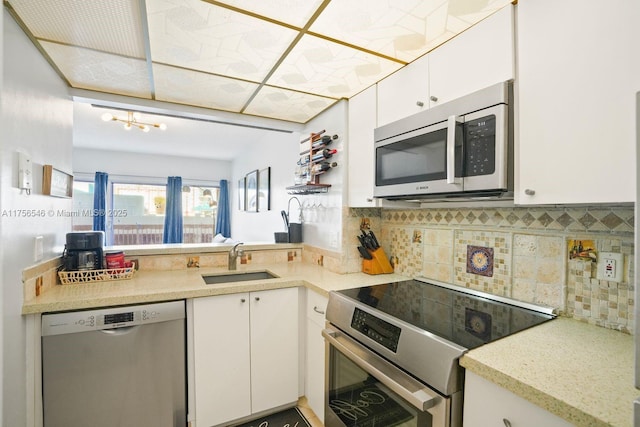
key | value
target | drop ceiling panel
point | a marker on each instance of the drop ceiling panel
(201, 89)
(292, 12)
(104, 72)
(403, 30)
(287, 105)
(113, 26)
(330, 69)
(196, 35)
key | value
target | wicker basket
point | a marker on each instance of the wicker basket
(87, 276)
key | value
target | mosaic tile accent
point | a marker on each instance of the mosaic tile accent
(586, 219)
(480, 260)
(500, 282)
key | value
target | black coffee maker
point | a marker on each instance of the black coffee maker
(83, 251)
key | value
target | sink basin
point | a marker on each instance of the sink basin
(212, 279)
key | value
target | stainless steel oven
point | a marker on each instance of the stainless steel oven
(392, 350)
(463, 148)
(366, 390)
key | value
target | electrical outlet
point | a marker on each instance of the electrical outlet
(610, 266)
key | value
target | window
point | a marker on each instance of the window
(138, 212)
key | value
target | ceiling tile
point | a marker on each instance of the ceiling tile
(196, 35)
(287, 105)
(322, 67)
(104, 72)
(403, 30)
(293, 12)
(110, 26)
(201, 89)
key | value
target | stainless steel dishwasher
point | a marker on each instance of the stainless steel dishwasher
(115, 367)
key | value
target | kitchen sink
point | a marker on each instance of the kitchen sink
(212, 279)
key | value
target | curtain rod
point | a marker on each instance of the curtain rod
(117, 177)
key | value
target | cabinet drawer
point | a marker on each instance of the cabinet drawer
(316, 307)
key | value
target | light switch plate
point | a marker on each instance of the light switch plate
(610, 266)
(25, 171)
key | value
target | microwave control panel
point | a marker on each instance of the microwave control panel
(380, 331)
(480, 146)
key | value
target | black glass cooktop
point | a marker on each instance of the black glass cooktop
(465, 319)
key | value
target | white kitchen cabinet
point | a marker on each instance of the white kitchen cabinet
(315, 352)
(404, 92)
(245, 354)
(576, 102)
(360, 154)
(486, 404)
(479, 57)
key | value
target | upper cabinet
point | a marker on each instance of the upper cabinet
(477, 58)
(361, 122)
(576, 123)
(404, 93)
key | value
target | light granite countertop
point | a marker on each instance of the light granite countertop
(579, 372)
(153, 286)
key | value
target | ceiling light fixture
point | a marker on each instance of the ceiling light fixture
(133, 120)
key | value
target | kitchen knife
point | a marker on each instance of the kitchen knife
(375, 240)
(364, 253)
(366, 242)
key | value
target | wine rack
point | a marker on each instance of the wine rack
(313, 162)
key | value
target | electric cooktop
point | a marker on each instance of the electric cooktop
(462, 316)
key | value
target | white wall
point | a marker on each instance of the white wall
(37, 118)
(323, 212)
(278, 151)
(87, 161)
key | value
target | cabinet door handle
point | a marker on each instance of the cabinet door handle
(433, 98)
(315, 308)
(242, 300)
(420, 103)
(369, 199)
(257, 298)
(529, 192)
(506, 422)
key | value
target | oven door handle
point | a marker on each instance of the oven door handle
(411, 390)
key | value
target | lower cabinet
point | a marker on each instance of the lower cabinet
(245, 354)
(314, 368)
(487, 404)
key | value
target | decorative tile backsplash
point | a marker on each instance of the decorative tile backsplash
(531, 253)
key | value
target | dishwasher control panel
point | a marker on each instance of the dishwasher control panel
(111, 318)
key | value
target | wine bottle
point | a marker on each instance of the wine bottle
(321, 142)
(321, 167)
(324, 154)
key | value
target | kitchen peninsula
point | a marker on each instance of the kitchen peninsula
(590, 388)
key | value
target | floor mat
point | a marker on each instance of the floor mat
(288, 418)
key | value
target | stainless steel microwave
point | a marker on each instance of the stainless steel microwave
(463, 148)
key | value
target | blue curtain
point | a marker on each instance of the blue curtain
(223, 222)
(100, 201)
(173, 217)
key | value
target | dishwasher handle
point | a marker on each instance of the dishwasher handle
(116, 332)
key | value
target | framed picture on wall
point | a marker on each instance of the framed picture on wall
(241, 195)
(264, 199)
(251, 191)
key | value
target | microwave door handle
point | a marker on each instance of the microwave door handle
(451, 149)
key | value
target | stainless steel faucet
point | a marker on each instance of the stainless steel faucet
(234, 253)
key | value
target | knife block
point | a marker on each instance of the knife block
(378, 265)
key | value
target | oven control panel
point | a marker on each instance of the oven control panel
(380, 331)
